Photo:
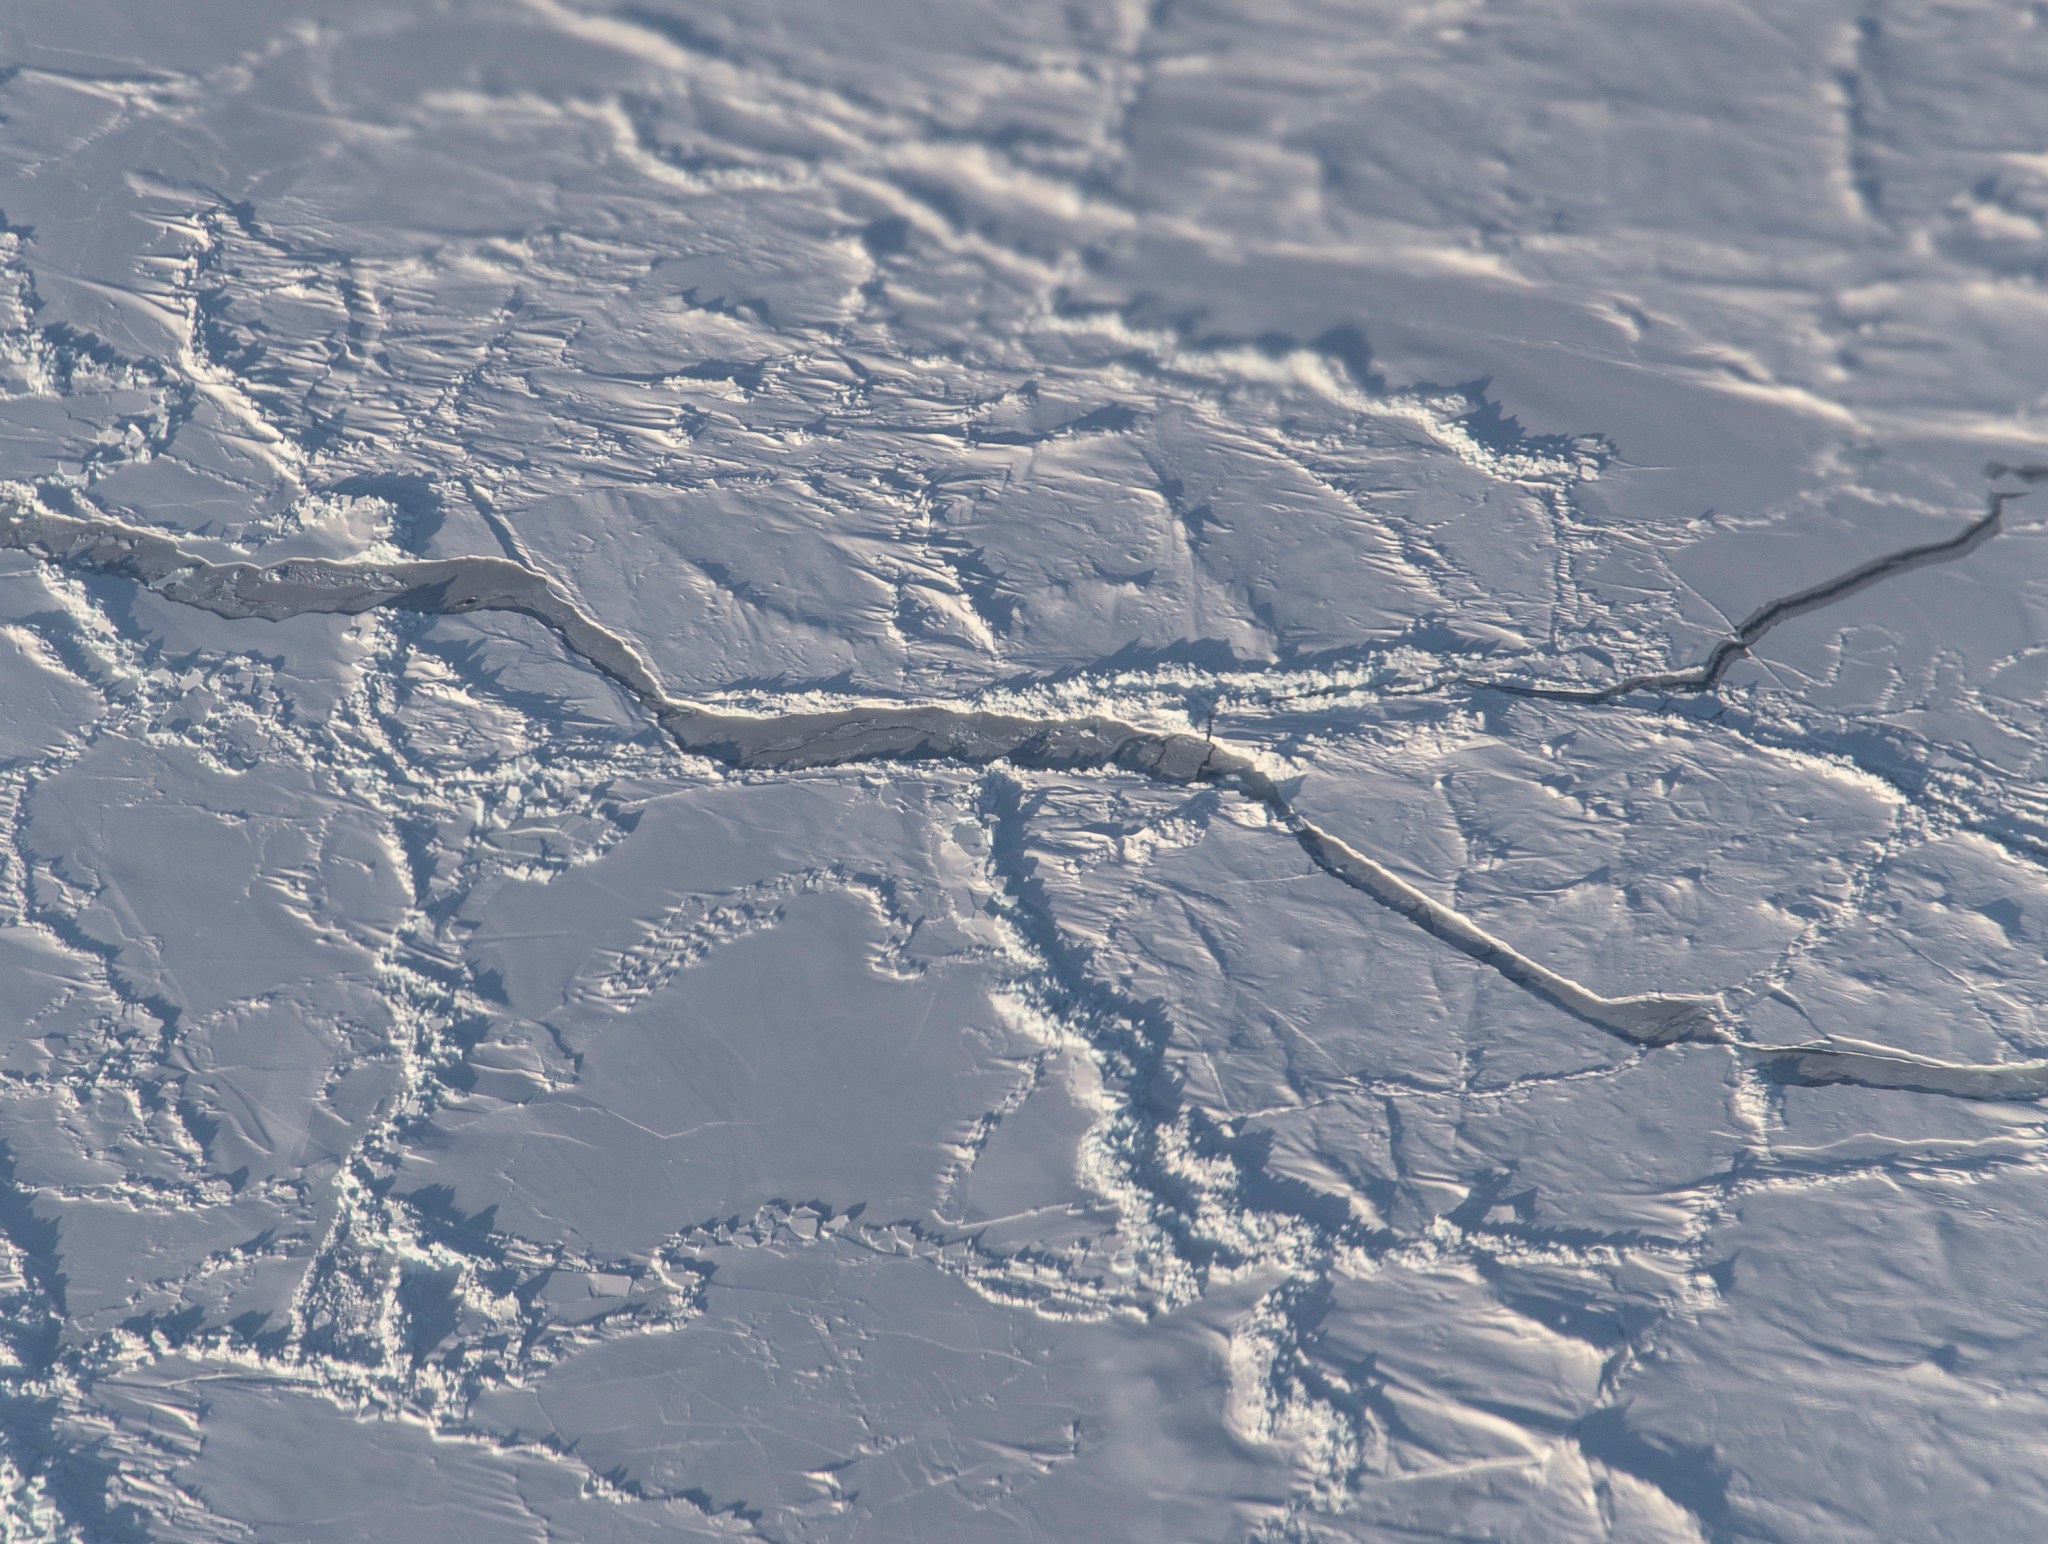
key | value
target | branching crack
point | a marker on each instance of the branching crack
(1707, 675)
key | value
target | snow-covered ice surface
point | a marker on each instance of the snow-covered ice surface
(1156, 771)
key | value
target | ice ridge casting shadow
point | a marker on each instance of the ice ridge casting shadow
(906, 734)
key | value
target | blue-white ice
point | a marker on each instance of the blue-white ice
(961, 771)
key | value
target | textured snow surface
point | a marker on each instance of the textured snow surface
(1158, 771)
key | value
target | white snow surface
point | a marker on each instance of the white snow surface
(1174, 770)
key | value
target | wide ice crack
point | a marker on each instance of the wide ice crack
(897, 733)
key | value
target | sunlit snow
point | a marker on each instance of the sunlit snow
(1149, 771)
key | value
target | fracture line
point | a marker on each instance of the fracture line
(899, 734)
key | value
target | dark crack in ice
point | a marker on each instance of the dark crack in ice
(1708, 674)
